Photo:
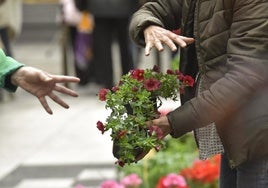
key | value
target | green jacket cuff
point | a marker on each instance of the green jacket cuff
(8, 65)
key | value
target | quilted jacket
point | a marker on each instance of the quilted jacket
(230, 62)
(7, 66)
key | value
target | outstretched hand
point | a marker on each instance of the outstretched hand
(42, 84)
(156, 36)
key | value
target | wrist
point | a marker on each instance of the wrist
(15, 76)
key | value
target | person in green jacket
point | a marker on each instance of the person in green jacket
(224, 46)
(35, 81)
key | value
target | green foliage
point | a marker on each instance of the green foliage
(178, 154)
(175, 62)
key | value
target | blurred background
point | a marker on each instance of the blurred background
(66, 149)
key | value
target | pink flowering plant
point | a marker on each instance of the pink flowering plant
(131, 181)
(172, 180)
(133, 102)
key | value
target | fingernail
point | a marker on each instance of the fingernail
(184, 45)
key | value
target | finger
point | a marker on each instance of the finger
(44, 76)
(65, 90)
(180, 42)
(159, 46)
(44, 103)
(169, 43)
(188, 40)
(58, 100)
(64, 79)
(183, 41)
(148, 48)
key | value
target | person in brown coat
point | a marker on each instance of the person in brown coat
(224, 45)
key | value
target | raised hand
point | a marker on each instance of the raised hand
(156, 36)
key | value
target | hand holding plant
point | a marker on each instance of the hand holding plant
(134, 102)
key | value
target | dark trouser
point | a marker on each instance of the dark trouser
(104, 32)
(248, 175)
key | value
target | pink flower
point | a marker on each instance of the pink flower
(180, 76)
(120, 163)
(110, 184)
(137, 74)
(156, 69)
(100, 126)
(115, 88)
(152, 84)
(174, 180)
(156, 130)
(131, 180)
(102, 94)
(170, 71)
(135, 89)
(188, 80)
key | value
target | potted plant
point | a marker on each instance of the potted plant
(133, 102)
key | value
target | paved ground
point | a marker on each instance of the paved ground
(42, 151)
(38, 150)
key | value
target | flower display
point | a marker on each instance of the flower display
(203, 172)
(133, 102)
(176, 166)
(131, 181)
(172, 180)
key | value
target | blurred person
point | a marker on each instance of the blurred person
(79, 26)
(10, 26)
(37, 82)
(10, 22)
(111, 22)
(224, 45)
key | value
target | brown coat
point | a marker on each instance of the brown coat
(230, 55)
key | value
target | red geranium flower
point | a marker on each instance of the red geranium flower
(170, 71)
(100, 126)
(137, 74)
(102, 94)
(115, 88)
(179, 75)
(206, 171)
(156, 69)
(152, 84)
(188, 80)
(120, 163)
